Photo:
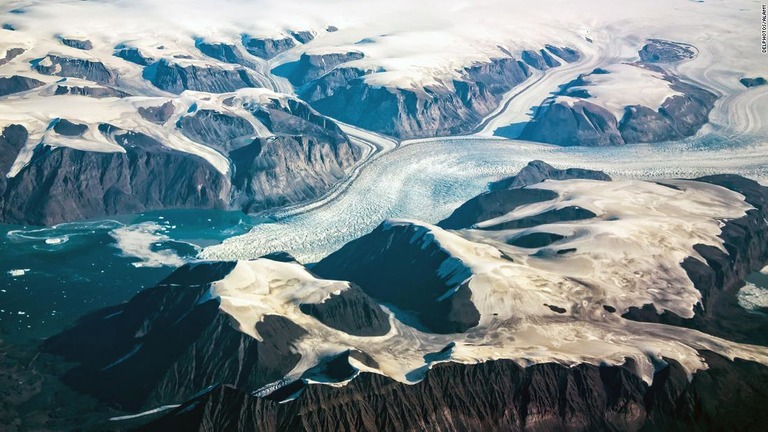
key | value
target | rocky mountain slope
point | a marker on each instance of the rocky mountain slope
(333, 85)
(626, 103)
(250, 150)
(500, 395)
(516, 297)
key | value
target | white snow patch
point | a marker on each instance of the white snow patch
(18, 272)
(145, 413)
(622, 86)
(136, 241)
(262, 287)
(752, 296)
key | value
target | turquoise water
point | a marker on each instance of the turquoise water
(49, 277)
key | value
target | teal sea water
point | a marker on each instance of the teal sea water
(50, 276)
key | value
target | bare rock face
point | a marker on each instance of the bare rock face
(312, 66)
(283, 170)
(159, 114)
(753, 82)
(75, 68)
(215, 129)
(579, 121)
(662, 51)
(12, 140)
(538, 171)
(541, 60)
(378, 261)
(94, 92)
(68, 128)
(267, 48)
(308, 155)
(499, 395)
(170, 341)
(175, 77)
(17, 84)
(678, 117)
(11, 54)
(133, 55)
(227, 53)
(82, 44)
(303, 36)
(344, 94)
(568, 54)
(293, 117)
(338, 89)
(82, 185)
(493, 204)
(352, 312)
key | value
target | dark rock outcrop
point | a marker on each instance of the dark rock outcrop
(82, 44)
(17, 84)
(175, 78)
(568, 54)
(580, 122)
(535, 240)
(565, 214)
(378, 262)
(507, 194)
(283, 170)
(133, 55)
(227, 53)
(312, 66)
(352, 312)
(12, 140)
(90, 70)
(499, 395)
(293, 117)
(500, 75)
(720, 276)
(94, 92)
(68, 128)
(63, 184)
(11, 54)
(540, 60)
(753, 82)
(662, 51)
(307, 157)
(267, 48)
(538, 171)
(492, 205)
(169, 342)
(303, 36)
(678, 117)
(343, 93)
(216, 129)
(159, 114)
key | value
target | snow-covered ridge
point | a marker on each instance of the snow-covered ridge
(536, 305)
(410, 46)
(623, 85)
(262, 287)
(38, 112)
(633, 247)
(403, 48)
